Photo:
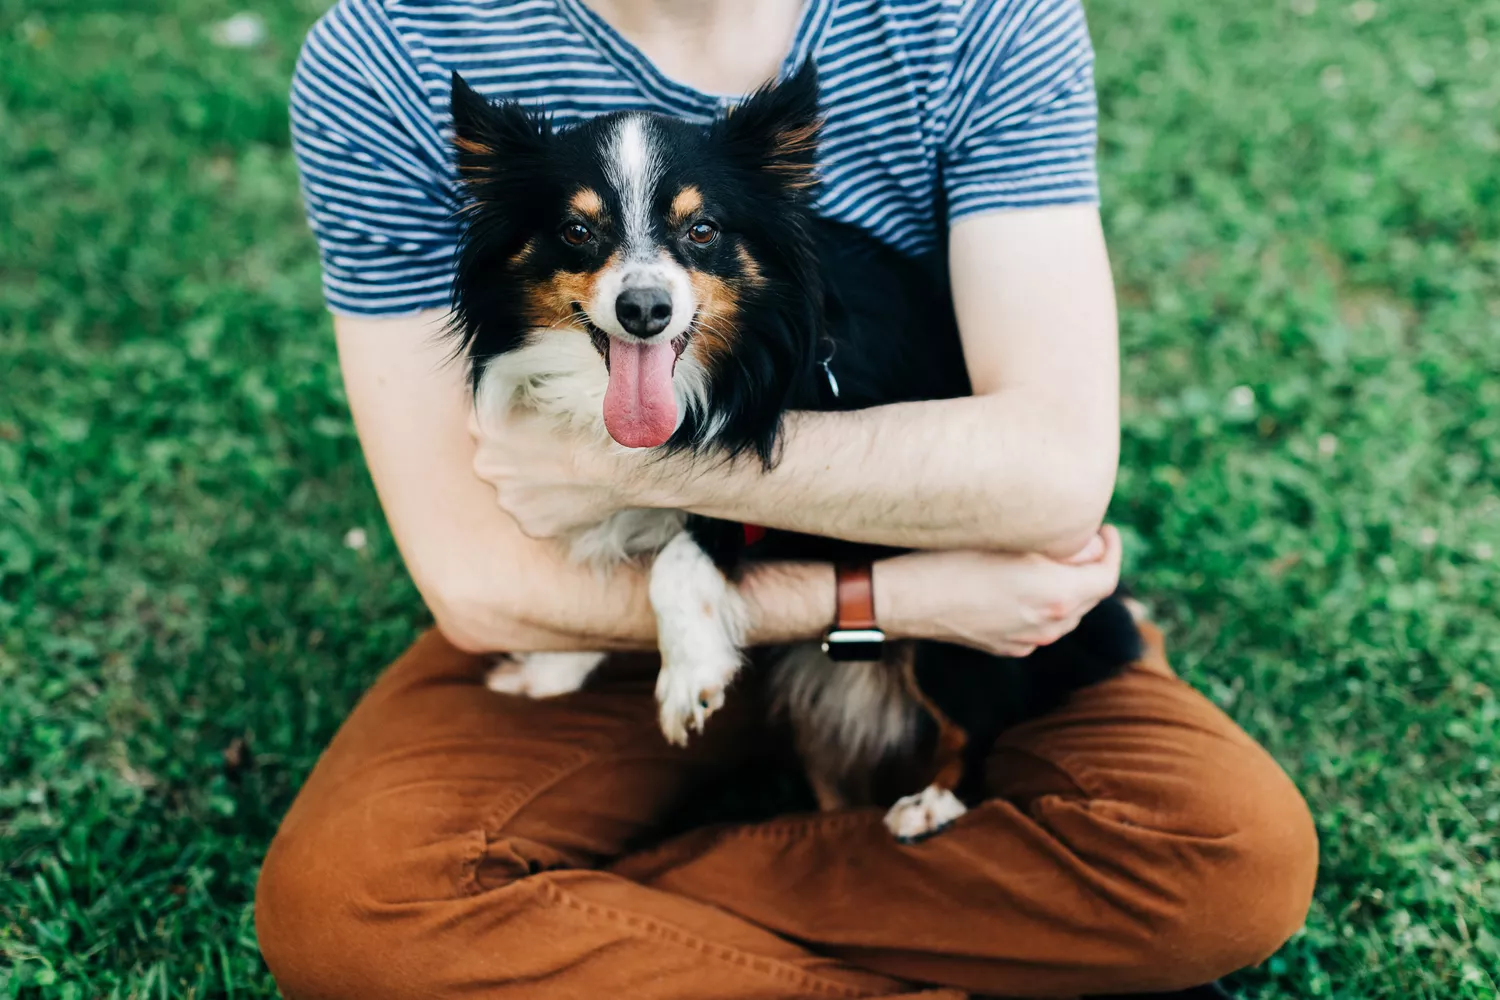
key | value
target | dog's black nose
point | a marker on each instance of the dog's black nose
(644, 312)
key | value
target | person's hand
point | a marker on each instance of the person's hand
(1001, 603)
(551, 481)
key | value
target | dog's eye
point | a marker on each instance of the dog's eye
(703, 233)
(576, 234)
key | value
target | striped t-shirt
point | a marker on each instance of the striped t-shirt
(936, 110)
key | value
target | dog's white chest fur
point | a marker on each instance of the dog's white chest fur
(557, 373)
(700, 617)
(560, 375)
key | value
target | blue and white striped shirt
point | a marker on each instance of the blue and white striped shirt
(936, 110)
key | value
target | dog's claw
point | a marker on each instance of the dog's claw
(684, 707)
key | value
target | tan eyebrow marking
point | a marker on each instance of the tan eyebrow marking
(586, 201)
(688, 201)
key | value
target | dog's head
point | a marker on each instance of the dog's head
(680, 251)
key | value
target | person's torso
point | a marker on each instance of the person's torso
(883, 66)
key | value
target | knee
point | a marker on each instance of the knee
(343, 912)
(1239, 895)
(287, 910)
(307, 930)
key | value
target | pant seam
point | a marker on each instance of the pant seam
(769, 967)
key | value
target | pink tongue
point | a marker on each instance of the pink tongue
(640, 409)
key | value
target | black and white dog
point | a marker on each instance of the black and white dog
(669, 286)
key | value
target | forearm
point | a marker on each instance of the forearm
(488, 585)
(507, 593)
(1026, 464)
(981, 472)
(537, 599)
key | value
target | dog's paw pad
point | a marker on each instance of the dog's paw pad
(919, 816)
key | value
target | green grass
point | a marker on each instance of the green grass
(1303, 200)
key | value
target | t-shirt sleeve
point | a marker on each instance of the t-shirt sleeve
(1023, 116)
(374, 169)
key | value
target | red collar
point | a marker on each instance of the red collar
(753, 533)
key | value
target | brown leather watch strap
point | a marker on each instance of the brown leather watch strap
(854, 594)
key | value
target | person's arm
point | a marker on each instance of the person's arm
(1026, 464)
(488, 586)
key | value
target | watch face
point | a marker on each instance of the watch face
(855, 645)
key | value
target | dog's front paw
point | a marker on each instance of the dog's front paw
(700, 627)
(687, 696)
(919, 816)
(541, 675)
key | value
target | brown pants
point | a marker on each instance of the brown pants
(457, 843)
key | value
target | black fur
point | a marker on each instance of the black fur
(518, 190)
(487, 295)
(884, 324)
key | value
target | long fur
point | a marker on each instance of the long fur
(793, 311)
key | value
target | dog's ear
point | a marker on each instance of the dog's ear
(776, 129)
(493, 138)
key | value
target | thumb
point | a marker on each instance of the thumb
(1107, 566)
(1093, 551)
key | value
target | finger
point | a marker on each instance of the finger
(1076, 592)
(1103, 576)
(1061, 610)
(1114, 545)
(1091, 552)
(1114, 551)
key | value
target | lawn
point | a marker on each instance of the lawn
(1303, 200)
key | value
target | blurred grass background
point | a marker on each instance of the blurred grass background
(1303, 199)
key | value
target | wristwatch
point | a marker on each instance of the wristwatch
(855, 636)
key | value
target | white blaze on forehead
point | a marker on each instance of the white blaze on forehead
(633, 165)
